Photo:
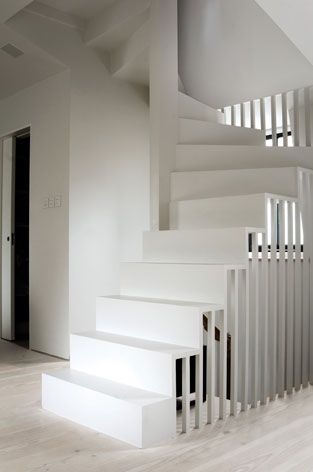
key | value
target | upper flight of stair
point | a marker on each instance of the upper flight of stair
(121, 35)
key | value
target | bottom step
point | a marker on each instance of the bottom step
(138, 417)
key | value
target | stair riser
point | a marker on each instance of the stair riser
(214, 246)
(144, 369)
(195, 185)
(139, 426)
(200, 132)
(249, 211)
(193, 158)
(194, 282)
(152, 321)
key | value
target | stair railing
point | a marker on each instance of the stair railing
(285, 117)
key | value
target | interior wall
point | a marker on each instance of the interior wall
(45, 107)
(109, 167)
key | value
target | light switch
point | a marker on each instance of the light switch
(45, 203)
(57, 201)
(51, 202)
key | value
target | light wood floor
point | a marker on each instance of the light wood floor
(278, 437)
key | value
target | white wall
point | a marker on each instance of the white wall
(45, 107)
(231, 51)
(109, 168)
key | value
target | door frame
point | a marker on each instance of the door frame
(7, 316)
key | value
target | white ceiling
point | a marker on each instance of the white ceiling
(21, 72)
(231, 51)
(295, 18)
(84, 9)
(8, 8)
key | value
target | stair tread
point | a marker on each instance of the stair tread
(183, 303)
(140, 343)
(120, 391)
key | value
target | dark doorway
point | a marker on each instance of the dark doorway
(21, 239)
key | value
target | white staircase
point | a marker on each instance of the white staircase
(235, 261)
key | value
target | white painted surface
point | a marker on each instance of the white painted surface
(202, 157)
(214, 246)
(138, 417)
(116, 23)
(294, 19)
(105, 223)
(202, 132)
(46, 108)
(206, 184)
(194, 282)
(140, 363)
(190, 108)
(168, 321)
(8, 8)
(84, 9)
(227, 49)
(223, 212)
(31, 67)
(7, 268)
(163, 107)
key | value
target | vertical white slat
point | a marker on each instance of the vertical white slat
(186, 394)
(255, 326)
(273, 301)
(252, 114)
(296, 134)
(242, 115)
(274, 120)
(310, 219)
(284, 118)
(199, 390)
(264, 297)
(245, 306)
(306, 283)
(233, 115)
(210, 378)
(298, 301)
(223, 364)
(290, 303)
(281, 301)
(307, 117)
(262, 112)
(234, 342)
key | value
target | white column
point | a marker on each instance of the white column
(296, 135)
(163, 106)
(307, 116)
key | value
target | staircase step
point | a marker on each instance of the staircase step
(138, 417)
(221, 212)
(153, 319)
(192, 109)
(195, 157)
(203, 132)
(196, 282)
(211, 246)
(221, 183)
(127, 360)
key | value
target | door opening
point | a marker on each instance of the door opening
(21, 238)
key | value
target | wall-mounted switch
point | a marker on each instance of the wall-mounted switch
(45, 203)
(57, 201)
(51, 202)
